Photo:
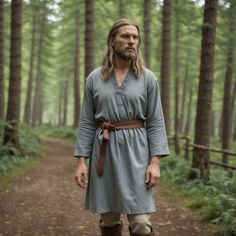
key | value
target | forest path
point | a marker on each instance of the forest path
(44, 200)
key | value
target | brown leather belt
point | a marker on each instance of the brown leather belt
(107, 127)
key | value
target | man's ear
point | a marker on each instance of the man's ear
(111, 41)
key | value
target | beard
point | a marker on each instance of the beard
(125, 55)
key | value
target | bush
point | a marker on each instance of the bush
(215, 200)
(10, 157)
(66, 133)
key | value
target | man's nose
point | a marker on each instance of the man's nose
(131, 40)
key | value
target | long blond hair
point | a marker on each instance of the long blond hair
(137, 65)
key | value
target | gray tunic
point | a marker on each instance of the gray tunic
(122, 187)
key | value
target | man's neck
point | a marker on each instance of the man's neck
(122, 65)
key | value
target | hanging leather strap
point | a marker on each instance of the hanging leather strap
(113, 126)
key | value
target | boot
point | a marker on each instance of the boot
(135, 234)
(115, 230)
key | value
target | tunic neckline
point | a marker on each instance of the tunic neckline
(122, 85)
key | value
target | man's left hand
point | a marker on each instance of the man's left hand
(153, 173)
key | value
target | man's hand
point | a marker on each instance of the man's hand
(81, 175)
(153, 173)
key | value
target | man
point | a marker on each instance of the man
(122, 131)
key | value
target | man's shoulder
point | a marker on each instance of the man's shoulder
(96, 73)
(149, 75)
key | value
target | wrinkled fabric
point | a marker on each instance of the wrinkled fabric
(122, 187)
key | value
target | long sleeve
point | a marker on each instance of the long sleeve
(87, 124)
(157, 138)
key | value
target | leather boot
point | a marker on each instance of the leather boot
(135, 234)
(115, 230)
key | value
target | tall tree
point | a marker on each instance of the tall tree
(89, 36)
(27, 111)
(2, 100)
(65, 102)
(165, 62)
(121, 9)
(204, 102)
(11, 134)
(147, 31)
(77, 74)
(176, 72)
(226, 113)
(189, 113)
(37, 101)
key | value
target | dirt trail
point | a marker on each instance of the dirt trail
(44, 200)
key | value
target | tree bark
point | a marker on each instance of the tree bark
(226, 111)
(147, 31)
(11, 134)
(27, 112)
(176, 69)
(2, 97)
(185, 83)
(77, 75)
(165, 62)
(189, 113)
(204, 102)
(89, 37)
(122, 9)
(37, 103)
(65, 102)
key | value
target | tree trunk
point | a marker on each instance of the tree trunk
(27, 112)
(234, 136)
(185, 83)
(204, 102)
(233, 111)
(89, 37)
(65, 102)
(147, 31)
(60, 103)
(11, 134)
(122, 9)
(165, 62)
(2, 98)
(177, 42)
(77, 75)
(226, 118)
(37, 103)
(189, 113)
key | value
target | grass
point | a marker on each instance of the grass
(11, 158)
(215, 201)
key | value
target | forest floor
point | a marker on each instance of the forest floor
(43, 199)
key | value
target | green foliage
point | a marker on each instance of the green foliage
(215, 200)
(66, 133)
(11, 157)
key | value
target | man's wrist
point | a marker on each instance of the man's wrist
(156, 160)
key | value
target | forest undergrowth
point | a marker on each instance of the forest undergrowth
(214, 200)
(11, 157)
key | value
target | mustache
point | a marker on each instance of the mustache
(130, 48)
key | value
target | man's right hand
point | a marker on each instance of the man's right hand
(81, 175)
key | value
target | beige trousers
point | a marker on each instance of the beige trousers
(138, 223)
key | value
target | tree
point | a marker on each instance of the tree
(121, 9)
(37, 101)
(226, 111)
(77, 74)
(89, 37)
(27, 111)
(165, 62)
(205, 89)
(146, 26)
(11, 134)
(2, 100)
(176, 72)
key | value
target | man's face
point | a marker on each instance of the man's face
(126, 42)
